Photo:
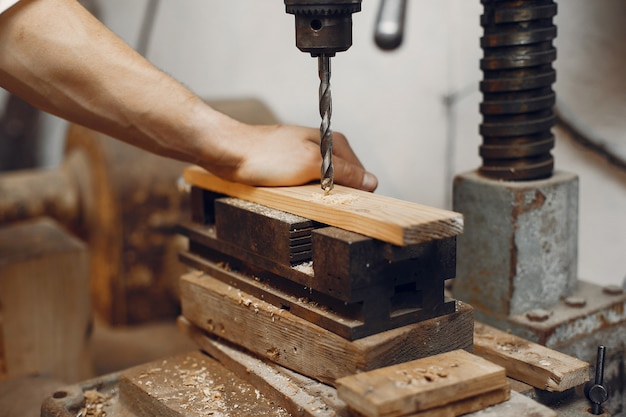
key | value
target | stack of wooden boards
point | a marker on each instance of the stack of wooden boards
(322, 300)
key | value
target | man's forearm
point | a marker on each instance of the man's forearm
(57, 56)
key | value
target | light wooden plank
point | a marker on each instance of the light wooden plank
(380, 217)
(529, 362)
(420, 385)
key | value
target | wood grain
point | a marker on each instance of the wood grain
(384, 218)
(468, 405)
(299, 395)
(421, 385)
(297, 344)
(529, 362)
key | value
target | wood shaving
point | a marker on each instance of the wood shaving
(305, 267)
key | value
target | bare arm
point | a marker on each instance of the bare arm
(56, 55)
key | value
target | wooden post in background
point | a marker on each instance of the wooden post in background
(44, 301)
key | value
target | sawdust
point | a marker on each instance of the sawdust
(95, 403)
(334, 199)
(267, 211)
(418, 376)
(191, 388)
(305, 268)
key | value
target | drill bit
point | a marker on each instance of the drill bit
(326, 134)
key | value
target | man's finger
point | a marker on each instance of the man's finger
(353, 175)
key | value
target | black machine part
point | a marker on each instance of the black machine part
(323, 27)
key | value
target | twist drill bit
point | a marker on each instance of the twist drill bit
(326, 134)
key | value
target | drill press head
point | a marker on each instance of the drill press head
(323, 27)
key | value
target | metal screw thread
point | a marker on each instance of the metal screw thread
(326, 134)
(517, 89)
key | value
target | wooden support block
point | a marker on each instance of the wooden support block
(529, 362)
(350, 321)
(191, 385)
(384, 218)
(449, 378)
(206, 236)
(286, 339)
(273, 234)
(44, 297)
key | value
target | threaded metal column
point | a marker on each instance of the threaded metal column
(517, 89)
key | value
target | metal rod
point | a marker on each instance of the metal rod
(596, 406)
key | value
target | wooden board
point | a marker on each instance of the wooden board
(529, 362)
(191, 385)
(299, 395)
(286, 339)
(468, 405)
(421, 385)
(303, 396)
(385, 218)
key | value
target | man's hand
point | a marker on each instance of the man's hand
(284, 155)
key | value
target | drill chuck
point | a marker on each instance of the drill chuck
(323, 27)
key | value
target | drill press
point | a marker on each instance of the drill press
(323, 28)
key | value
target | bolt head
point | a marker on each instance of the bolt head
(613, 290)
(538, 315)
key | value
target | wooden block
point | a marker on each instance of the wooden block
(44, 296)
(345, 262)
(421, 385)
(286, 339)
(384, 309)
(299, 395)
(274, 234)
(191, 385)
(206, 236)
(530, 362)
(385, 218)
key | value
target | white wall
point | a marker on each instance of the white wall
(411, 115)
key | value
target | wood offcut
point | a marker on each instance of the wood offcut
(454, 379)
(384, 218)
(529, 362)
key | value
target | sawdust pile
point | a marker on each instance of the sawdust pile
(305, 267)
(95, 404)
(190, 388)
